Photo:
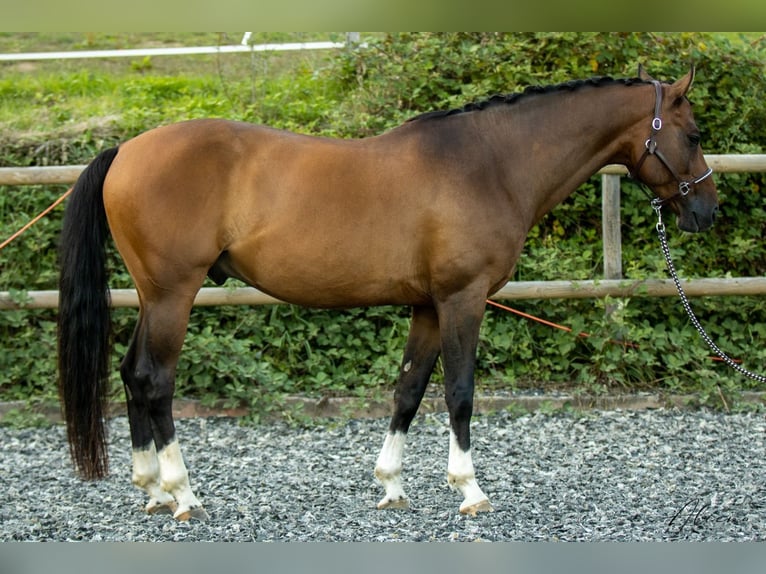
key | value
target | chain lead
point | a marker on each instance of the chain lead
(657, 206)
(687, 306)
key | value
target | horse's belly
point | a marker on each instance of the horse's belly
(339, 279)
(331, 292)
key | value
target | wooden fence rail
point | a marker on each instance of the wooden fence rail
(213, 296)
(612, 284)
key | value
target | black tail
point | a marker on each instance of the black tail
(84, 321)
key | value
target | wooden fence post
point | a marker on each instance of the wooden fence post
(610, 226)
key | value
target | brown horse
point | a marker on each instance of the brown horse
(432, 214)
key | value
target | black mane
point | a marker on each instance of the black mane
(570, 86)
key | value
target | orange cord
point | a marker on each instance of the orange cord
(554, 325)
(36, 219)
(569, 329)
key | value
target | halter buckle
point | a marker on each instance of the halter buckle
(657, 124)
(684, 187)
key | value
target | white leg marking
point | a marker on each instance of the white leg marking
(461, 476)
(388, 470)
(175, 479)
(146, 475)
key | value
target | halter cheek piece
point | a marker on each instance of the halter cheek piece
(684, 187)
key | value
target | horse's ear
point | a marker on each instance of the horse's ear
(643, 75)
(679, 88)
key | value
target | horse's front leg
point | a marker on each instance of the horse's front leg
(460, 319)
(420, 356)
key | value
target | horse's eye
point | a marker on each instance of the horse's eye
(694, 139)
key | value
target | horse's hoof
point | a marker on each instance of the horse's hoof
(387, 503)
(197, 512)
(473, 509)
(155, 507)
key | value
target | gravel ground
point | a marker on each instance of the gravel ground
(654, 475)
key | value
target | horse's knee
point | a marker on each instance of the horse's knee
(459, 400)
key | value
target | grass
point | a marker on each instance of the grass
(123, 95)
(65, 96)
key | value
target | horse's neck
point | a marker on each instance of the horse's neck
(564, 138)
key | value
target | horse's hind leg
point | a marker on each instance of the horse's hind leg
(146, 468)
(420, 356)
(148, 372)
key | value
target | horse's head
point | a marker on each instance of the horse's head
(670, 161)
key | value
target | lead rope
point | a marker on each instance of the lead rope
(685, 301)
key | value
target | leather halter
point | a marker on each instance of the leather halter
(684, 186)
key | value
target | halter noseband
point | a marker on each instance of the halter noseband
(684, 187)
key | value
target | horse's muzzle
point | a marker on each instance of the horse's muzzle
(697, 218)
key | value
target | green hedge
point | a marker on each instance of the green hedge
(260, 354)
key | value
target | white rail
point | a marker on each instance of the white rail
(171, 51)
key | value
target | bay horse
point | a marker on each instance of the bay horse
(432, 214)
